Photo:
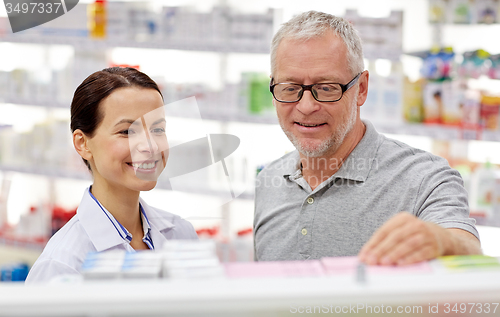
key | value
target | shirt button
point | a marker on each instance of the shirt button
(304, 231)
(310, 200)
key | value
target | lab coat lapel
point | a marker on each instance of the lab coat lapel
(97, 225)
(161, 228)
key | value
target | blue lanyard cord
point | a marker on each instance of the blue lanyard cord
(125, 231)
(147, 237)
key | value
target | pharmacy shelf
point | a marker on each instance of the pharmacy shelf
(270, 118)
(38, 103)
(417, 294)
(56, 172)
(205, 114)
(14, 241)
(85, 43)
(435, 131)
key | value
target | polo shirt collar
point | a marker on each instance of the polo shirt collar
(358, 164)
(356, 167)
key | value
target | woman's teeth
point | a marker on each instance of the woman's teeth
(145, 166)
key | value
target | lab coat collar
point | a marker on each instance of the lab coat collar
(105, 235)
(156, 220)
(101, 231)
(158, 225)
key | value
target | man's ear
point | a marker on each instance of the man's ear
(363, 87)
(80, 142)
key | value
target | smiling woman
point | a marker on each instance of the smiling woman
(118, 124)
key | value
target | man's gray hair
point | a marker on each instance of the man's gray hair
(313, 24)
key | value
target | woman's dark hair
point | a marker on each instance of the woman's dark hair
(85, 112)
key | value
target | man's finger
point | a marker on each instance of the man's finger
(424, 254)
(410, 245)
(381, 234)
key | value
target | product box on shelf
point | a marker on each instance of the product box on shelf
(442, 102)
(470, 110)
(437, 11)
(4, 85)
(475, 64)
(34, 224)
(142, 22)
(4, 26)
(370, 108)
(486, 11)
(483, 192)
(382, 37)
(413, 108)
(489, 112)
(384, 102)
(117, 21)
(494, 70)
(255, 93)
(6, 143)
(251, 30)
(464, 11)
(461, 11)
(391, 88)
(221, 29)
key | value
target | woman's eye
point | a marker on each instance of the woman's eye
(158, 130)
(127, 132)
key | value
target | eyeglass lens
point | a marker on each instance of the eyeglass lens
(323, 92)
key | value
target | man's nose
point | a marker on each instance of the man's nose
(307, 104)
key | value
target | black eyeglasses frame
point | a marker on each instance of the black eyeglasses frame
(344, 88)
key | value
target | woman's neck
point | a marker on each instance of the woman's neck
(122, 203)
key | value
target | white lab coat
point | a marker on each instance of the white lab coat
(94, 229)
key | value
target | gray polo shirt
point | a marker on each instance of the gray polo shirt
(380, 178)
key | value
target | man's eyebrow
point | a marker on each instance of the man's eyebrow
(317, 80)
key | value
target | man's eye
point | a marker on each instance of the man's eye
(328, 88)
(290, 88)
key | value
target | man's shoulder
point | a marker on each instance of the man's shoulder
(392, 150)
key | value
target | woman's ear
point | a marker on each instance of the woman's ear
(80, 142)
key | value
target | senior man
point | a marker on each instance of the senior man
(348, 190)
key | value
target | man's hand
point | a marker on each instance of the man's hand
(405, 239)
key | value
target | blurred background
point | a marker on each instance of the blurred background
(434, 84)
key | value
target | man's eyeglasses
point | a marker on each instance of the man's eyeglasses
(324, 92)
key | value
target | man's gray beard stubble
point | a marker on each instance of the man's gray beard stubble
(336, 139)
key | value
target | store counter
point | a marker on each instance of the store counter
(429, 289)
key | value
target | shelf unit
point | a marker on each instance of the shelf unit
(55, 172)
(84, 43)
(419, 294)
(95, 44)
